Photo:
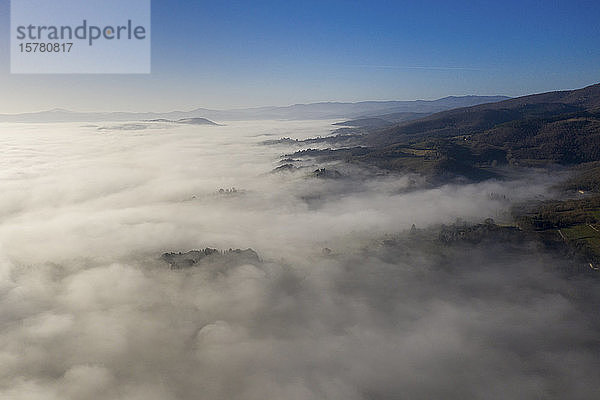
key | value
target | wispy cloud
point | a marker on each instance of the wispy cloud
(423, 67)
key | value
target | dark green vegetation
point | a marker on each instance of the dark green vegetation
(500, 242)
(193, 258)
(324, 173)
(486, 232)
(537, 130)
(574, 223)
(554, 228)
(586, 178)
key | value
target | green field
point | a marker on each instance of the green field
(576, 222)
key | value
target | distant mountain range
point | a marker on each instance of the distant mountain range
(562, 127)
(327, 110)
(549, 128)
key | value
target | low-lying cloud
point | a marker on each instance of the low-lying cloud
(89, 311)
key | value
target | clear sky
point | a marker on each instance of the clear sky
(223, 54)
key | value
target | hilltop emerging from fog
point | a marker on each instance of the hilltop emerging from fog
(558, 130)
(537, 130)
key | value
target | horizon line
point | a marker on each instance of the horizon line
(241, 108)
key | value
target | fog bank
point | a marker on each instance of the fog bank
(90, 311)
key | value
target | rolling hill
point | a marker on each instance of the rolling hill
(557, 127)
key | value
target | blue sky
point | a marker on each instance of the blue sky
(223, 54)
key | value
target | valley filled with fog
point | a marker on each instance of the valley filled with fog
(352, 295)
